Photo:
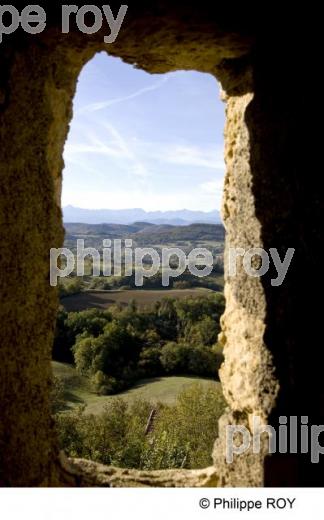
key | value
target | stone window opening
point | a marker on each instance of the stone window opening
(83, 124)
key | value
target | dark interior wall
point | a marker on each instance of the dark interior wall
(289, 206)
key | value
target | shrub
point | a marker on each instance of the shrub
(103, 384)
(182, 285)
(183, 433)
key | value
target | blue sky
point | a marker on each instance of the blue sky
(146, 141)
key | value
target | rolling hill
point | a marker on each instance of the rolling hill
(143, 233)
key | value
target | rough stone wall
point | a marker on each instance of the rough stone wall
(34, 113)
(263, 206)
(249, 384)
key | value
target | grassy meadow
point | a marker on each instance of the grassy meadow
(77, 389)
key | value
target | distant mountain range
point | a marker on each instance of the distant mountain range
(182, 217)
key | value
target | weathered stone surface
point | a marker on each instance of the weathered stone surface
(94, 474)
(245, 470)
(247, 375)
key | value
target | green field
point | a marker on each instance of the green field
(104, 299)
(164, 389)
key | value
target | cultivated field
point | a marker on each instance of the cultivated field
(104, 299)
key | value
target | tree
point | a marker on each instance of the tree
(203, 332)
(174, 358)
(166, 319)
(115, 353)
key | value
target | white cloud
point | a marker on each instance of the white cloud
(212, 187)
(204, 156)
(137, 167)
(115, 147)
(95, 107)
